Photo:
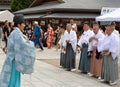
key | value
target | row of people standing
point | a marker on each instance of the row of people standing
(99, 51)
(67, 43)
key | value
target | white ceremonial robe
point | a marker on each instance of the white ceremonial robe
(85, 37)
(98, 43)
(116, 32)
(118, 39)
(111, 44)
(72, 37)
(63, 40)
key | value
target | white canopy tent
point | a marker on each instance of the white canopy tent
(112, 16)
(6, 15)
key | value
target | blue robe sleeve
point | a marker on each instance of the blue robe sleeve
(24, 54)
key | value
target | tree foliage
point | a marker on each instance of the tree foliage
(20, 4)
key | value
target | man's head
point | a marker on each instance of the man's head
(113, 25)
(109, 28)
(71, 21)
(6, 23)
(19, 21)
(49, 25)
(95, 27)
(68, 27)
(86, 26)
(35, 23)
(62, 28)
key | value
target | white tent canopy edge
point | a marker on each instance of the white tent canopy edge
(6, 15)
(112, 16)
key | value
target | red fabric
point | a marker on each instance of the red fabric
(50, 35)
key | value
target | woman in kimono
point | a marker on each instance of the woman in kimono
(95, 47)
(10, 76)
(50, 34)
(110, 52)
(70, 45)
(60, 45)
(84, 64)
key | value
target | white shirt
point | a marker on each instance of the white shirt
(110, 43)
(72, 37)
(85, 37)
(98, 43)
(116, 32)
(63, 38)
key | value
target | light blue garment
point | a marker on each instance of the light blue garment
(15, 77)
(17, 45)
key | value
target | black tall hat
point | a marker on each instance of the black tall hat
(18, 19)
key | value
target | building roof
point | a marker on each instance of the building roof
(72, 15)
(33, 16)
(4, 7)
(111, 3)
(94, 5)
(75, 8)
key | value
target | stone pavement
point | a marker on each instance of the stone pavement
(47, 75)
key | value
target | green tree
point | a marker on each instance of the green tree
(20, 4)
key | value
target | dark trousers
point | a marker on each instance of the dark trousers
(38, 42)
(5, 43)
(70, 57)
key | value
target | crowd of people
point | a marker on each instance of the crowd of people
(41, 37)
(99, 50)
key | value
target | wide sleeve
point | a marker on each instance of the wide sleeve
(113, 47)
(24, 53)
(73, 37)
(65, 38)
(19, 41)
(21, 45)
(100, 41)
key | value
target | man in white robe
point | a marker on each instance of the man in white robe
(110, 56)
(84, 64)
(113, 25)
(60, 45)
(70, 45)
(95, 48)
(96, 39)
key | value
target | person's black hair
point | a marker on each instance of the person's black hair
(88, 23)
(5, 21)
(62, 26)
(18, 19)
